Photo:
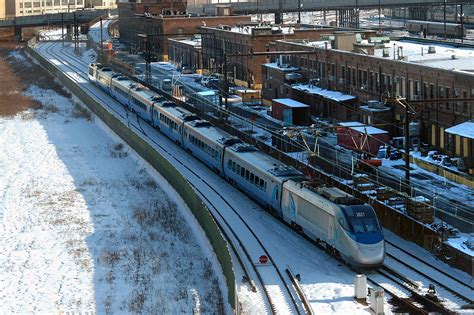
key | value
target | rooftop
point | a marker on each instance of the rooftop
(290, 103)
(283, 67)
(417, 51)
(332, 95)
(465, 130)
(192, 41)
(359, 127)
(263, 29)
(442, 56)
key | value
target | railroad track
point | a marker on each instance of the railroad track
(405, 292)
(259, 275)
(419, 271)
(409, 293)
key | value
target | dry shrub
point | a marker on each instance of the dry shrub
(150, 183)
(207, 271)
(109, 258)
(81, 112)
(49, 108)
(119, 146)
(136, 303)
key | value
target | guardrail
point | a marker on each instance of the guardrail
(165, 168)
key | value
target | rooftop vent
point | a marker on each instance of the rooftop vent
(201, 124)
(375, 104)
(431, 50)
(284, 171)
(228, 141)
(190, 117)
(386, 53)
(337, 196)
(167, 104)
(243, 147)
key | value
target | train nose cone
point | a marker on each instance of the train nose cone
(371, 255)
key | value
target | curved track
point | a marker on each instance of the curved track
(247, 248)
(394, 278)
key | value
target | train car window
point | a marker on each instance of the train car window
(247, 174)
(343, 223)
(242, 172)
(365, 225)
(238, 169)
(277, 195)
(252, 177)
(229, 164)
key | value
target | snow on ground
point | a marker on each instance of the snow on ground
(52, 34)
(87, 226)
(94, 31)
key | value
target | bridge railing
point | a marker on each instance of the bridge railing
(52, 18)
(270, 6)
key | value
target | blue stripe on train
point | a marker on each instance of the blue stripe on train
(368, 238)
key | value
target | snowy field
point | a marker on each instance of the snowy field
(87, 226)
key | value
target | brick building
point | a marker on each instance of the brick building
(185, 51)
(155, 22)
(283, 80)
(244, 39)
(397, 69)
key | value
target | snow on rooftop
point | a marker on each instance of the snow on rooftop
(281, 67)
(290, 103)
(249, 29)
(332, 95)
(360, 127)
(196, 42)
(446, 56)
(465, 130)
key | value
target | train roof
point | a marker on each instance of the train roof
(307, 190)
(207, 130)
(263, 161)
(123, 81)
(177, 112)
(144, 92)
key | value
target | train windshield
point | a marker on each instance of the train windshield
(362, 219)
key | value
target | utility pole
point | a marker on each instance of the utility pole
(444, 19)
(380, 18)
(101, 43)
(75, 33)
(299, 11)
(407, 149)
(226, 83)
(62, 27)
(462, 23)
(148, 58)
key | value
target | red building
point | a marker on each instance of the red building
(290, 111)
(361, 138)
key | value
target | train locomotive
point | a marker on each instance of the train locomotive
(327, 215)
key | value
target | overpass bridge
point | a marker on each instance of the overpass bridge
(280, 6)
(81, 16)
